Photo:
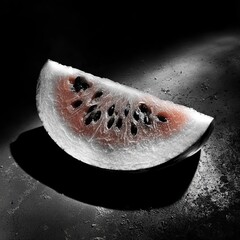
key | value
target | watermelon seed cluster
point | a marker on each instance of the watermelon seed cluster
(93, 116)
(142, 114)
(112, 114)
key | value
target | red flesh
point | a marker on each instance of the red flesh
(98, 131)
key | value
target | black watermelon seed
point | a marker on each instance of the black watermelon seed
(162, 118)
(136, 115)
(111, 110)
(144, 108)
(126, 111)
(110, 122)
(98, 94)
(119, 123)
(89, 119)
(80, 83)
(91, 108)
(147, 120)
(133, 129)
(97, 116)
(76, 103)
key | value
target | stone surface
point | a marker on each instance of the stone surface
(181, 51)
(203, 74)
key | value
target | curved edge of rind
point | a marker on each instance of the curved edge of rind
(187, 153)
(194, 148)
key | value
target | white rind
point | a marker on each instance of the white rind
(142, 155)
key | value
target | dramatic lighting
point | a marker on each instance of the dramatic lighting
(204, 75)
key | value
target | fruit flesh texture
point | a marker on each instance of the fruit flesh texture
(106, 149)
(145, 118)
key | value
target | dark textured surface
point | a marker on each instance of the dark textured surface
(196, 66)
(139, 187)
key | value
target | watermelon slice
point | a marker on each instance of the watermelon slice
(113, 126)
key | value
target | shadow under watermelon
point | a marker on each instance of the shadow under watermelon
(107, 188)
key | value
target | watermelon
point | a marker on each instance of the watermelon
(113, 126)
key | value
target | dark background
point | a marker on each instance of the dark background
(93, 37)
(90, 36)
